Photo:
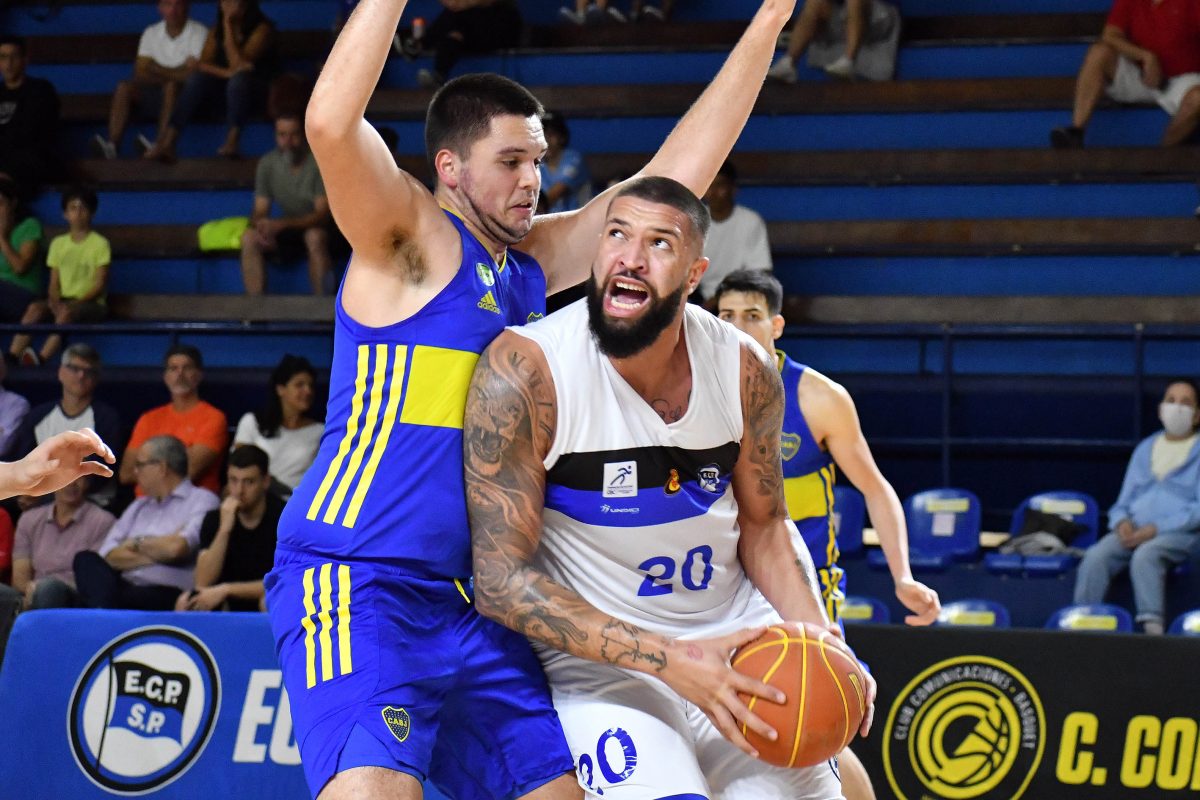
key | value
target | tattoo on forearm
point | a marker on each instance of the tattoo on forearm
(762, 407)
(621, 646)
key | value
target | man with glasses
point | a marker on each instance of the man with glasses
(146, 560)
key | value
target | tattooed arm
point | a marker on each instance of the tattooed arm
(511, 417)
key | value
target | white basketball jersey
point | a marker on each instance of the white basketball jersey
(640, 517)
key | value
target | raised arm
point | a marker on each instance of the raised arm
(510, 421)
(564, 244)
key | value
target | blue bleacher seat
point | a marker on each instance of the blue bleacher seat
(849, 511)
(1186, 624)
(974, 612)
(943, 528)
(860, 608)
(1073, 506)
(1093, 617)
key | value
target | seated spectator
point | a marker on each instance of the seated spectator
(237, 541)
(22, 277)
(1149, 52)
(288, 177)
(566, 183)
(239, 57)
(468, 26)
(200, 426)
(28, 121)
(738, 237)
(1155, 523)
(168, 52)
(283, 428)
(48, 538)
(862, 21)
(146, 559)
(78, 262)
(590, 12)
(76, 409)
(14, 409)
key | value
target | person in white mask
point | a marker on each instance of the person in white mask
(1155, 522)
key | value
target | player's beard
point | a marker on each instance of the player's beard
(624, 338)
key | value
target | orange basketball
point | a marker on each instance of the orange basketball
(825, 688)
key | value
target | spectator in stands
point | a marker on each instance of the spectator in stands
(237, 540)
(200, 426)
(588, 12)
(738, 237)
(468, 26)
(862, 20)
(78, 260)
(48, 538)
(146, 559)
(14, 410)
(283, 428)
(76, 409)
(1155, 523)
(1149, 52)
(168, 52)
(28, 120)
(21, 274)
(239, 56)
(288, 177)
(566, 184)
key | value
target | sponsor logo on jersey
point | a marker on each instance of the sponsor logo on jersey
(673, 485)
(397, 721)
(709, 478)
(488, 303)
(607, 509)
(143, 709)
(534, 316)
(620, 479)
(484, 271)
(789, 445)
(966, 727)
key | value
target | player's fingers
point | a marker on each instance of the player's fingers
(747, 685)
(868, 718)
(748, 719)
(724, 722)
(97, 445)
(739, 638)
(95, 468)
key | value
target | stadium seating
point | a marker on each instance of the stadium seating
(849, 513)
(1186, 624)
(1074, 507)
(1098, 617)
(978, 612)
(943, 528)
(860, 608)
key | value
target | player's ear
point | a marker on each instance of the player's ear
(777, 326)
(447, 166)
(696, 272)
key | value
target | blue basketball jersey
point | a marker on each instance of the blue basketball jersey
(808, 471)
(387, 483)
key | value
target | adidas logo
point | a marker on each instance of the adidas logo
(488, 303)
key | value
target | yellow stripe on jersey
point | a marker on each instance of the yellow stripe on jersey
(437, 387)
(326, 624)
(831, 548)
(810, 495)
(360, 387)
(461, 590)
(385, 432)
(310, 630)
(376, 399)
(345, 665)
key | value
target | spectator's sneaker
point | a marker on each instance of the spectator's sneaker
(30, 358)
(784, 69)
(842, 68)
(1067, 137)
(651, 14)
(103, 147)
(616, 14)
(571, 15)
(429, 79)
(594, 15)
(143, 144)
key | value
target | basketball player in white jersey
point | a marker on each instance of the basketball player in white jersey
(627, 514)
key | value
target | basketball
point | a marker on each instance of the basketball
(825, 688)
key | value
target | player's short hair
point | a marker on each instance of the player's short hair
(1186, 382)
(753, 281)
(462, 111)
(668, 192)
(248, 455)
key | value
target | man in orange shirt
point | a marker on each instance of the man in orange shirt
(199, 425)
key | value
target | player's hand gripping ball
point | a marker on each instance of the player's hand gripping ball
(825, 688)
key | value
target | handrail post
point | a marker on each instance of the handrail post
(1139, 377)
(947, 390)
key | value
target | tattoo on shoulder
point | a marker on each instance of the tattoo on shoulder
(762, 411)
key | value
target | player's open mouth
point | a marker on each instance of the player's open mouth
(626, 295)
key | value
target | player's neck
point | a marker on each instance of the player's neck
(656, 368)
(448, 201)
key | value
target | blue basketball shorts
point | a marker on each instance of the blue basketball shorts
(815, 532)
(384, 669)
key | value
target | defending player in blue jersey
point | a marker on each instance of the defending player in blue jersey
(392, 676)
(821, 432)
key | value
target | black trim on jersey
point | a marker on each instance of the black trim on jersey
(585, 471)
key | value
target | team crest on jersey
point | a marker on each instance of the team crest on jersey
(488, 303)
(398, 722)
(142, 711)
(789, 445)
(484, 271)
(620, 479)
(709, 478)
(673, 485)
(534, 316)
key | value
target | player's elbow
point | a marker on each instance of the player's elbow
(489, 596)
